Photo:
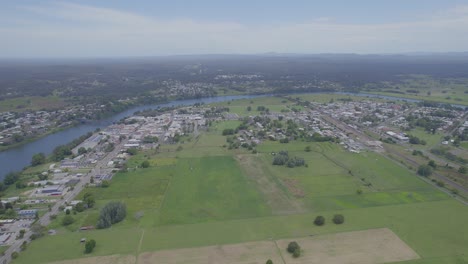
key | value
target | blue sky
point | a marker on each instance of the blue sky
(146, 28)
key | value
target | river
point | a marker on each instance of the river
(16, 159)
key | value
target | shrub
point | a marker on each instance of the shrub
(105, 184)
(338, 219)
(425, 170)
(111, 213)
(145, 164)
(269, 261)
(292, 246)
(79, 207)
(68, 220)
(297, 253)
(89, 246)
(14, 255)
(319, 220)
(462, 170)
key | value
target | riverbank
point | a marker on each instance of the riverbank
(16, 158)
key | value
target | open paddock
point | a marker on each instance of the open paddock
(366, 247)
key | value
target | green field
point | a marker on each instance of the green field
(206, 194)
(450, 91)
(34, 103)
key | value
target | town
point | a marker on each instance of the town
(355, 125)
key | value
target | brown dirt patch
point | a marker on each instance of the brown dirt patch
(293, 187)
(364, 247)
(245, 253)
(113, 259)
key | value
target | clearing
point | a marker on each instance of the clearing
(367, 246)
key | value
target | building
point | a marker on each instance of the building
(27, 214)
(51, 189)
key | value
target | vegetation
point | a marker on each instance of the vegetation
(89, 246)
(292, 246)
(67, 220)
(145, 164)
(111, 213)
(282, 158)
(38, 159)
(203, 204)
(338, 219)
(14, 255)
(425, 170)
(294, 249)
(319, 221)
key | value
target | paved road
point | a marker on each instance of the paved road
(68, 196)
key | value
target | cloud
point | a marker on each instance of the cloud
(67, 29)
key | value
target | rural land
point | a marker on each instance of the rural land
(307, 164)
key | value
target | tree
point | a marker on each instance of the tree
(21, 233)
(81, 151)
(38, 230)
(307, 149)
(14, 255)
(297, 253)
(38, 159)
(89, 246)
(79, 207)
(67, 220)
(11, 178)
(23, 246)
(319, 220)
(425, 170)
(113, 212)
(432, 164)
(462, 170)
(67, 212)
(269, 261)
(292, 246)
(132, 151)
(88, 199)
(10, 214)
(105, 184)
(249, 108)
(145, 164)
(338, 219)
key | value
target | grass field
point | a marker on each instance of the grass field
(34, 103)
(450, 91)
(210, 188)
(207, 195)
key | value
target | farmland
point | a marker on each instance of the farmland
(199, 193)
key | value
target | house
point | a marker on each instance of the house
(27, 214)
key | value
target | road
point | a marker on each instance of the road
(68, 196)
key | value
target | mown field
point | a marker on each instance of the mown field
(204, 194)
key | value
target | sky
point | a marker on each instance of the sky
(117, 28)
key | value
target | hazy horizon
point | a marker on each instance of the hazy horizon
(86, 29)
